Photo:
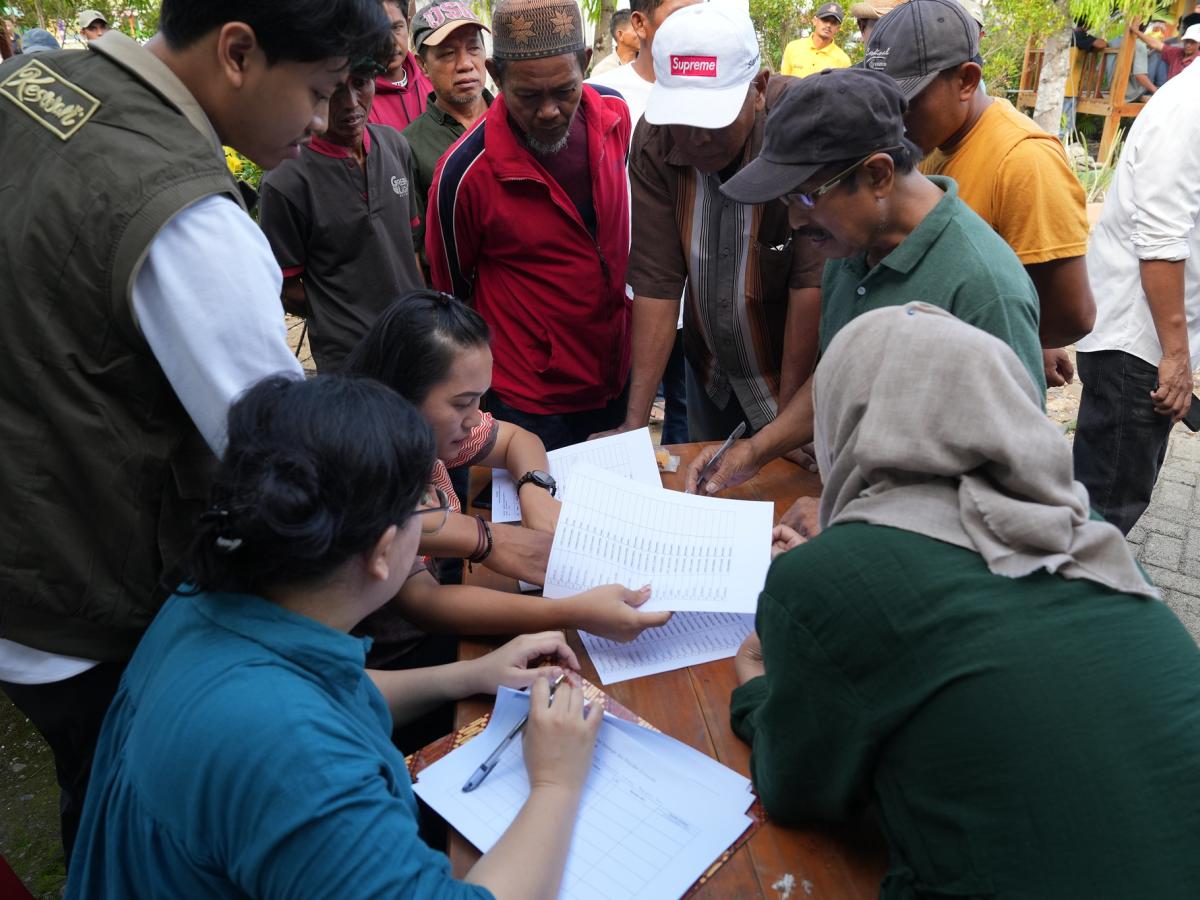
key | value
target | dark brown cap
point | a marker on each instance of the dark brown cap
(533, 29)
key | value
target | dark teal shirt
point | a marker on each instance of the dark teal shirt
(953, 260)
(248, 754)
(1020, 738)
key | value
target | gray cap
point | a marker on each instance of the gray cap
(38, 40)
(919, 39)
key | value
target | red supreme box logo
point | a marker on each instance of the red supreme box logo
(702, 66)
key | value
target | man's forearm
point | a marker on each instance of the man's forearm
(1067, 308)
(800, 341)
(792, 428)
(654, 324)
(1162, 282)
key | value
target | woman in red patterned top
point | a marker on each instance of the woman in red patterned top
(433, 350)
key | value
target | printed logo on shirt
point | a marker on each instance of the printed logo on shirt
(400, 186)
(877, 60)
(55, 103)
(694, 66)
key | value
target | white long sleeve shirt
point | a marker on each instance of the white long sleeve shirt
(207, 301)
(1151, 212)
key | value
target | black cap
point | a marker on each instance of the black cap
(832, 116)
(919, 39)
(830, 11)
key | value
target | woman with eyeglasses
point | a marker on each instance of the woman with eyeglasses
(433, 350)
(247, 752)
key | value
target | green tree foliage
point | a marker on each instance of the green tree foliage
(48, 13)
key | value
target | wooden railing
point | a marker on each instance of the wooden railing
(1103, 79)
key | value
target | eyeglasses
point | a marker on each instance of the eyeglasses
(434, 502)
(808, 199)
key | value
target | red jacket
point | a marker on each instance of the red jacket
(502, 234)
(401, 106)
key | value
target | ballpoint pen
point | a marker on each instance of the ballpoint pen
(485, 768)
(711, 465)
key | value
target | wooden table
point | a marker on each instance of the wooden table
(692, 705)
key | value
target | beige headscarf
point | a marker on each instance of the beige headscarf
(928, 424)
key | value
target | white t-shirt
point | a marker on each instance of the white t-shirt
(1152, 212)
(634, 88)
(207, 301)
(636, 91)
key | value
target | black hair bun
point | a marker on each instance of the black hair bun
(291, 506)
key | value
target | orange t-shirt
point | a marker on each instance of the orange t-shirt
(1017, 179)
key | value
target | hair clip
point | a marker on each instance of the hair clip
(223, 542)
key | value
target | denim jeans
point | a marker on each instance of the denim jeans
(1120, 441)
(563, 429)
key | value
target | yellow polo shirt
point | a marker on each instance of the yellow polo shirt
(801, 58)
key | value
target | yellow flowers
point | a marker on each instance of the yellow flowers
(234, 161)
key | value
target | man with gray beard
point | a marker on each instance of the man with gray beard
(528, 220)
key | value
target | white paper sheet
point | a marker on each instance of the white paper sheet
(652, 817)
(687, 640)
(630, 454)
(698, 554)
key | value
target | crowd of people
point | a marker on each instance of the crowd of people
(232, 593)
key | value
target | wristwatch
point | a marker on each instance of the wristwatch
(542, 479)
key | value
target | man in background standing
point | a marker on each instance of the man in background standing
(1176, 58)
(625, 43)
(340, 220)
(448, 38)
(401, 91)
(816, 52)
(92, 24)
(529, 222)
(1144, 258)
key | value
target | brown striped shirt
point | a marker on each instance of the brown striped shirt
(737, 261)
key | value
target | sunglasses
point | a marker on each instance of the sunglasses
(808, 199)
(435, 504)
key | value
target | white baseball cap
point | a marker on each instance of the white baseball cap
(705, 56)
(1192, 34)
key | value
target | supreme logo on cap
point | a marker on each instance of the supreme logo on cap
(695, 66)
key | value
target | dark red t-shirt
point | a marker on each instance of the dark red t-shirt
(569, 167)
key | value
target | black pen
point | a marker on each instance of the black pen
(485, 768)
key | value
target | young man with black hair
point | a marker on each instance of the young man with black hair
(401, 91)
(134, 314)
(548, 159)
(626, 44)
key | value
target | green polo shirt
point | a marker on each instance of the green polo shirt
(429, 136)
(954, 260)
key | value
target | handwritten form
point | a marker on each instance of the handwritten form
(687, 640)
(699, 554)
(630, 454)
(654, 814)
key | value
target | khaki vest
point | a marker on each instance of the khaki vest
(102, 473)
